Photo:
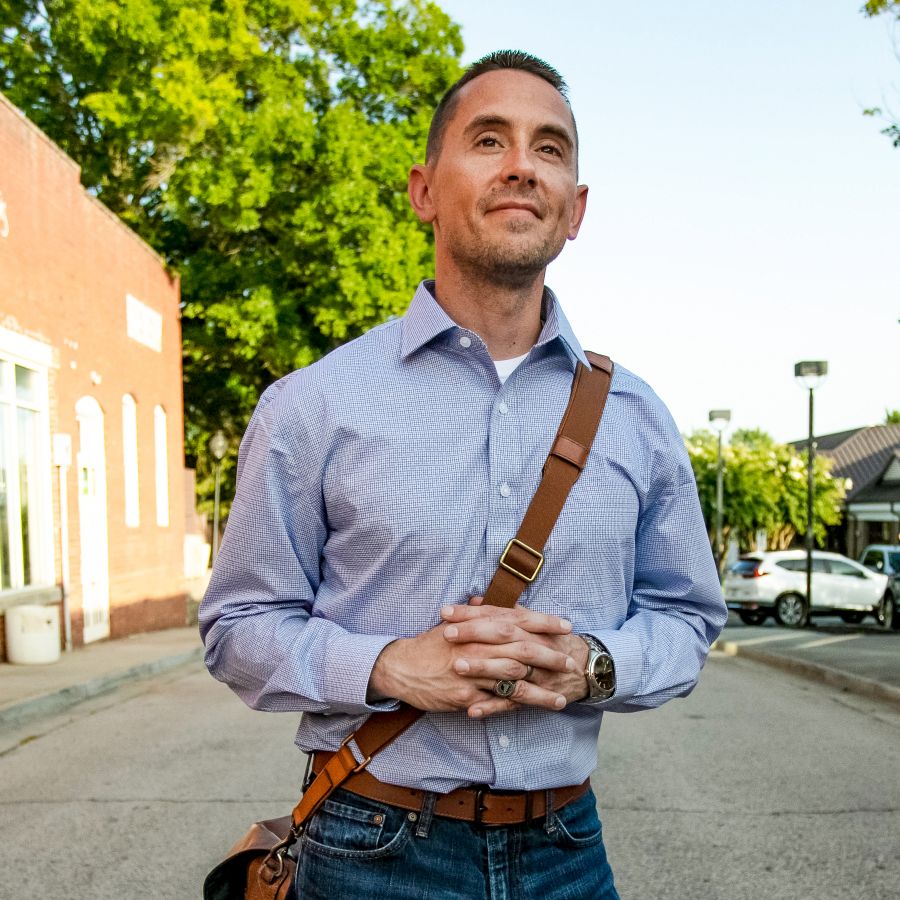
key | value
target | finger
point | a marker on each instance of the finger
(512, 660)
(476, 601)
(527, 619)
(525, 694)
(494, 669)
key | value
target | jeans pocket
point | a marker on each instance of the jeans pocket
(578, 825)
(352, 827)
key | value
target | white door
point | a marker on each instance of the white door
(92, 519)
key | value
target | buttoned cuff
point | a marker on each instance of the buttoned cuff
(348, 668)
(628, 659)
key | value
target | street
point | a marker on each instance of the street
(759, 784)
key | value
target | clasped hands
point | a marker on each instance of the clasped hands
(456, 664)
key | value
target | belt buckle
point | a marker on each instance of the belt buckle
(510, 568)
(480, 808)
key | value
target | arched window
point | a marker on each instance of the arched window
(162, 466)
(130, 461)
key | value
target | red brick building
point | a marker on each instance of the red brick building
(91, 449)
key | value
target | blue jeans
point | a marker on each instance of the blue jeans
(358, 849)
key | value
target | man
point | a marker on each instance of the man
(376, 492)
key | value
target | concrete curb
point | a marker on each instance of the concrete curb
(57, 701)
(853, 684)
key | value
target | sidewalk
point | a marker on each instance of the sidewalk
(856, 660)
(31, 691)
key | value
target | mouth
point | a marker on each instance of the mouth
(517, 208)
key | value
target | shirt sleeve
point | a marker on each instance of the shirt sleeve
(676, 609)
(257, 619)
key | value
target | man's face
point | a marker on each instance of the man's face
(502, 194)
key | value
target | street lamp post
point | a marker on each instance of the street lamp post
(218, 446)
(719, 419)
(810, 375)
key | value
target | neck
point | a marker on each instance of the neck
(506, 317)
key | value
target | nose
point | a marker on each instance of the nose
(518, 166)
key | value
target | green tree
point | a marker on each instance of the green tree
(876, 8)
(261, 146)
(764, 488)
(892, 417)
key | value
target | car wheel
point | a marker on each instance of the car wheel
(852, 618)
(752, 616)
(885, 614)
(791, 610)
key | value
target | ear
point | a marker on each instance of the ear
(578, 210)
(419, 189)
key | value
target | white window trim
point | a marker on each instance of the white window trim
(161, 465)
(18, 349)
(131, 468)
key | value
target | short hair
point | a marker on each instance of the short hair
(516, 60)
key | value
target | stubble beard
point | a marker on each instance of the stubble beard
(513, 263)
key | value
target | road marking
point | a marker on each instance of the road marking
(771, 637)
(836, 639)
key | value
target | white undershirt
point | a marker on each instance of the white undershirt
(505, 367)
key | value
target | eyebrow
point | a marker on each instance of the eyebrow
(492, 120)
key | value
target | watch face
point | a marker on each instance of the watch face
(603, 670)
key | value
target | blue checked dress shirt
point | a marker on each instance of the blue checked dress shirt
(386, 479)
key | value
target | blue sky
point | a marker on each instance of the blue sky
(743, 214)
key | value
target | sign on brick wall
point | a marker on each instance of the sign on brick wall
(144, 323)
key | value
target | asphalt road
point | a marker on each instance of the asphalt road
(759, 784)
(865, 649)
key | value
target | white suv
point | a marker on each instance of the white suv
(774, 583)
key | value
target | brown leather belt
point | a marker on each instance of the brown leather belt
(481, 806)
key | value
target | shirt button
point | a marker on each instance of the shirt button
(503, 740)
(504, 490)
(502, 408)
(465, 341)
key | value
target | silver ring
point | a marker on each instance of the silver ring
(528, 673)
(505, 688)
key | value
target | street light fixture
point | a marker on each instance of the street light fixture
(810, 375)
(218, 446)
(719, 419)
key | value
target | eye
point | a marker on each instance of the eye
(487, 140)
(550, 150)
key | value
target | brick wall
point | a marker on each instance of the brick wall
(66, 267)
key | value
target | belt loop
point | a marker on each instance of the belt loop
(549, 822)
(426, 814)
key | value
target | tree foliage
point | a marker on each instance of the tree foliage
(764, 488)
(261, 146)
(876, 8)
(892, 417)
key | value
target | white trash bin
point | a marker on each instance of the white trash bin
(32, 634)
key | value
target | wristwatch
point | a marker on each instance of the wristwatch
(600, 671)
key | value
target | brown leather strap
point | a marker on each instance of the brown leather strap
(519, 566)
(523, 557)
(467, 804)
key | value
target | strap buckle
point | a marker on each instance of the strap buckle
(538, 556)
(345, 743)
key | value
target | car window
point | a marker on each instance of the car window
(793, 565)
(745, 566)
(895, 560)
(874, 559)
(839, 567)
